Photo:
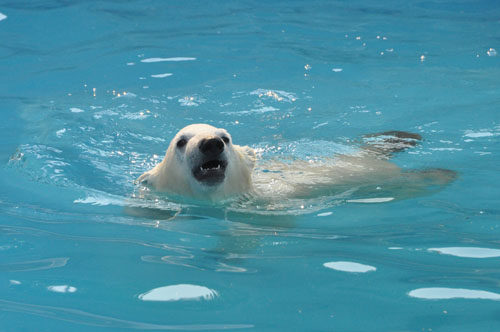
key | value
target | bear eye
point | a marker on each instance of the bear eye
(225, 139)
(181, 143)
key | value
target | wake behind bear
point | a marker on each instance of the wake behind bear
(203, 163)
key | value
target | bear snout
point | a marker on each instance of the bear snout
(211, 147)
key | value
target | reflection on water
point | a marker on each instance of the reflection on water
(178, 293)
(371, 200)
(442, 293)
(468, 252)
(349, 267)
(149, 60)
(62, 289)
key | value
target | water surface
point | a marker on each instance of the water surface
(92, 92)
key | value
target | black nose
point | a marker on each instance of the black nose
(211, 147)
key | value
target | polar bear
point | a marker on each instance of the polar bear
(202, 162)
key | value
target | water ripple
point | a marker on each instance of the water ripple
(89, 319)
(189, 260)
(36, 265)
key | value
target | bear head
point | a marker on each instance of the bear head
(202, 162)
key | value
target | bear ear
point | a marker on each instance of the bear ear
(248, 155)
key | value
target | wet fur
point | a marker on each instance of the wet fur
(275, 180)
(173, 174)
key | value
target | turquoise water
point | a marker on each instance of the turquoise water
(92, 92)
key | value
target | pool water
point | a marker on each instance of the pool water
(92, 92)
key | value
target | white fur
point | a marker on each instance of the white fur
(173, 174)
(271, 179)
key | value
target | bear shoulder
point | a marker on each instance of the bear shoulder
(247, 155)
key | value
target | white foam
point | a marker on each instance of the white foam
(479, 134)
(149, 60)
(191, 101)
(178, 293)
(337, 70)
(108, 112)
(62, 289)
(147, 138)
(277, 95)
(60, 132)
(442, 293)
(349, 267)
(445, 149)
(76, 110)
(320, 125)
(14, 282)
(2, 17)
(324, 214)
(264, 109)
(125, 95)
(468, 252)
(101, 200)
(371, 200)
(162, 75)
(104, 199)
(261, 110)
(135, 116)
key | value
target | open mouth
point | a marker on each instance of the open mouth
(210, 172)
